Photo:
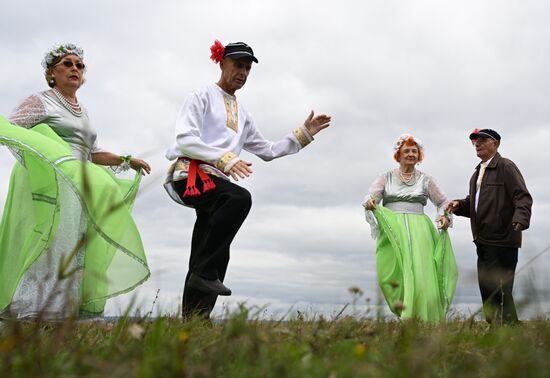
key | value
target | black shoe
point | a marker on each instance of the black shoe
(208, 286)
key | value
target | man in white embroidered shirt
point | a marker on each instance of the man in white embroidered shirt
(212, 128)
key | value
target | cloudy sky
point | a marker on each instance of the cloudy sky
(433, 68)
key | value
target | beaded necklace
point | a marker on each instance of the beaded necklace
(411, 177)
(72, 107)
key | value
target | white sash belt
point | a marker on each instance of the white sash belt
(405, 207)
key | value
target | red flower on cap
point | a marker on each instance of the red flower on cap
(217, 51)
(475, 131)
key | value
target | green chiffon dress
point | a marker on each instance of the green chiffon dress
(67, 239)
(415, 263)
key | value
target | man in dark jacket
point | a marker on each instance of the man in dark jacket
(499, 208)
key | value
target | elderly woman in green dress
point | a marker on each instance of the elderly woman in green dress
(415, 263)
(67, 239)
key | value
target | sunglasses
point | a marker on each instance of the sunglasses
(478, 141)
(70, 64)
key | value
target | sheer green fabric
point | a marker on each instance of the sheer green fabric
(114, 259)
(416, 266)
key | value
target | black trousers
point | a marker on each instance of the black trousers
(496, 267)
(220, 214)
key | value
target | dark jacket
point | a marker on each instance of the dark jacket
(503, 199)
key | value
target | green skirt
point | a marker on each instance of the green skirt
(110, 247)
(416, 266)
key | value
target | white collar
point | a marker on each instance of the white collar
(224, 92)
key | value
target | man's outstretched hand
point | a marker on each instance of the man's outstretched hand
(314, 124)
(241, 169)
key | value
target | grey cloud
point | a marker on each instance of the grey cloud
(435, 69)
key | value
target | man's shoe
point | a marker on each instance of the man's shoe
(208, 286)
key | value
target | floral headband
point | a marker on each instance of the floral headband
(59, 51)
(403, 137)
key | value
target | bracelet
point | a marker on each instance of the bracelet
(124, 165)
(126, 159)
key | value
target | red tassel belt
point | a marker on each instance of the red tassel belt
(191, 189)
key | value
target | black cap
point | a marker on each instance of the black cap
(484, 133)
(239, 50)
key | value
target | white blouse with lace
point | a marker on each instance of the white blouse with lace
(45, 107)
(406, 197)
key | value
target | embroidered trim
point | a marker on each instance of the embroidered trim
(182, 165)
(302, 137)
(224, 160)
(232, 113)
(179, 170)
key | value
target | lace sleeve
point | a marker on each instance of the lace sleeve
(435, 194)
(376, 190)
(30, 112)
(438, 198)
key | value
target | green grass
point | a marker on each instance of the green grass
(240, 347)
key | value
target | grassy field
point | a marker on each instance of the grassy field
(241, 347)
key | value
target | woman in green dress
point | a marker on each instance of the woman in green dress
(415, 263)
(67, 239)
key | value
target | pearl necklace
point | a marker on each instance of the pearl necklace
(411, 177)
(72, 107)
